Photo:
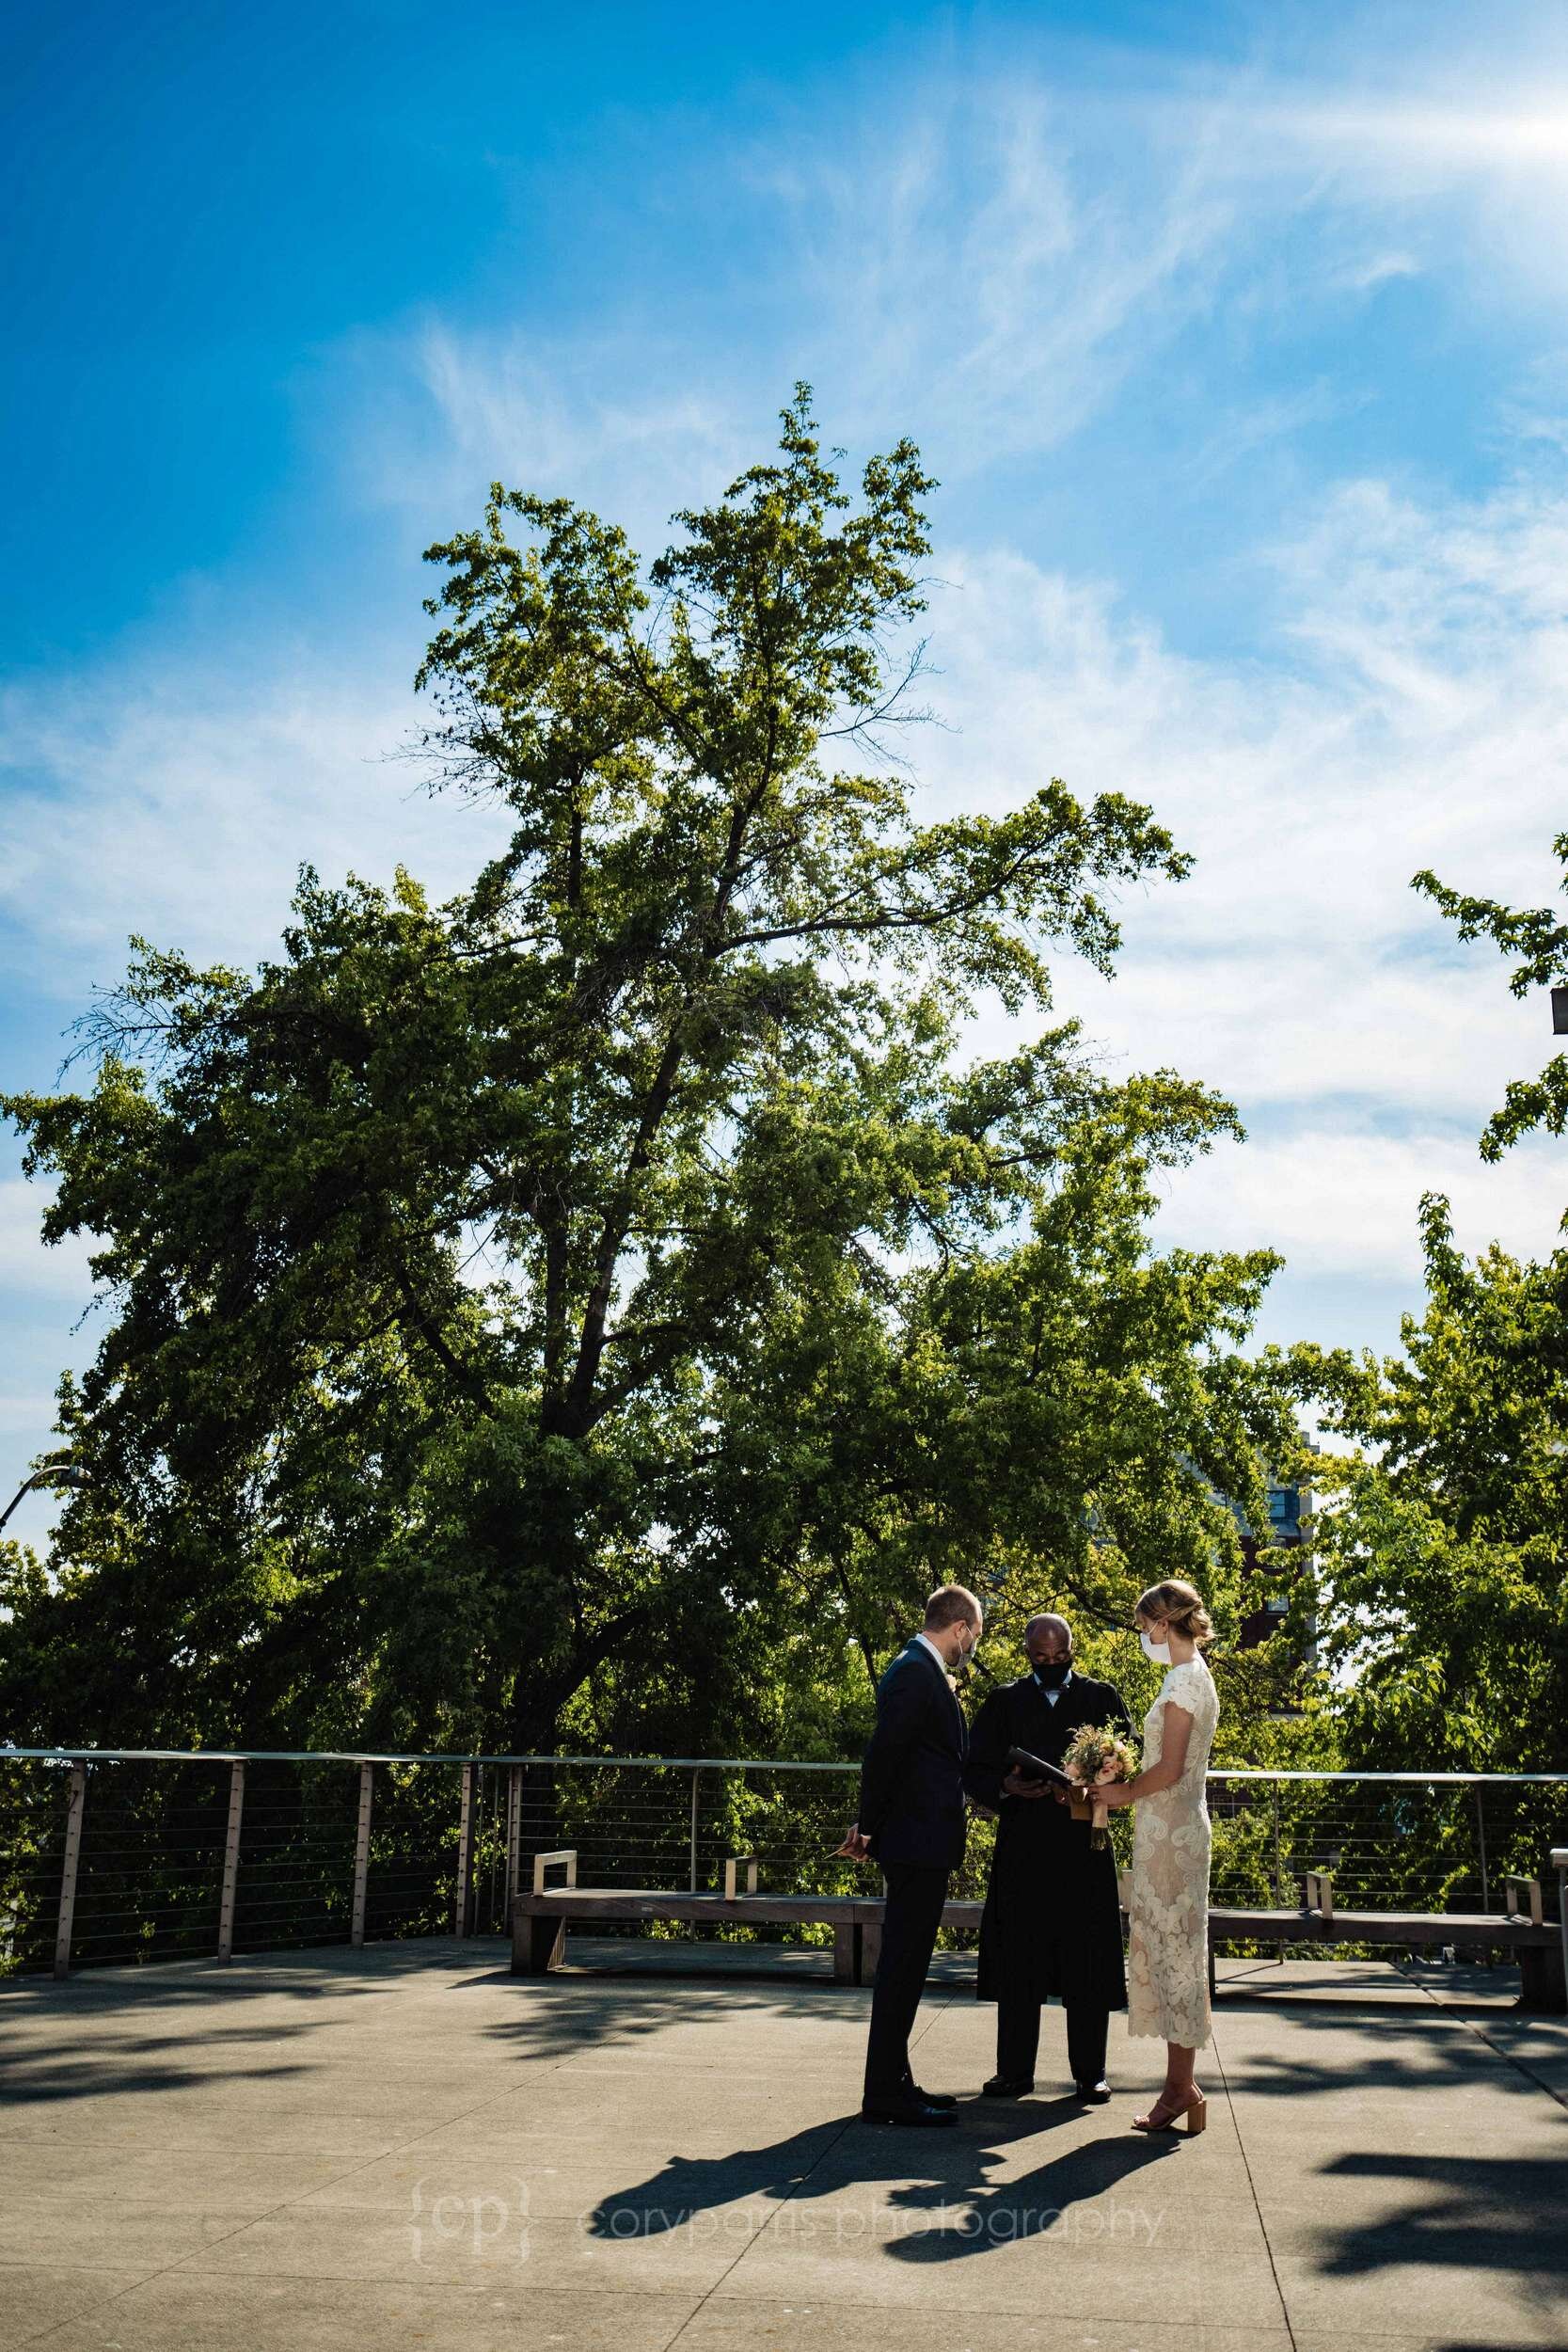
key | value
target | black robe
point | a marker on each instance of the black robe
(1052, 1922)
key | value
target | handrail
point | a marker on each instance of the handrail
(672, 1763)
(195, 1867)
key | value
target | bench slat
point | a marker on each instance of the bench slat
(539, 1924)
(1380, 1926)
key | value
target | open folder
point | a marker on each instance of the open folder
(1035, 1767)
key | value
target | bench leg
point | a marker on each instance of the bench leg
(846, 1953)
(1541, 1985)
(538, 1946)
(871, 1953)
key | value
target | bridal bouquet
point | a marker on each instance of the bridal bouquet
(1096, 1757)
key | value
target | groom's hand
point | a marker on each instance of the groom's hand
(855, 1848)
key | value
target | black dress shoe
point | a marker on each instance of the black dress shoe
(1096, 2094)
(902, 2110)
(1008, 2087)
(932, 2098)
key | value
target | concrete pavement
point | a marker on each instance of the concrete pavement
(405, 2146)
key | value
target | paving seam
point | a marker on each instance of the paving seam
(742, 2252)
(1445, 2010)
(283, 2204)
(1262, 2225)
(55, 2326)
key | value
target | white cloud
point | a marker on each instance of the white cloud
(55, 1275)
(991, 257)
(1415, 712)
(968, 257)
(1336, 1202)
(24, 1416)
(175, 790)
(439, 413)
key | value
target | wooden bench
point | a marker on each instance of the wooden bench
(1535, 1942)
(540, 1920)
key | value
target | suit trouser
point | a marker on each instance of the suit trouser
(911, 1918)
(1017, 2037)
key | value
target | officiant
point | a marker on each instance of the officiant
(1051, 1923)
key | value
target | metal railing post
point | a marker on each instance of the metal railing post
(695, 1778)
(1480, 1795)
(513, 1835)
(230, 1862)
(362, 1854)
(75, 1801)
(463, 1912)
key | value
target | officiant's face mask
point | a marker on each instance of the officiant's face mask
(1158, 1651)
(1052, 1672)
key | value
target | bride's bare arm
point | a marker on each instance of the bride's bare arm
(1174, 1732)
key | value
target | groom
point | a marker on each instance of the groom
(912, 1822)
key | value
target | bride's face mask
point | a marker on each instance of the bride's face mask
(1157, 1651)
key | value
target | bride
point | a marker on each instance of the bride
(1167, 1954)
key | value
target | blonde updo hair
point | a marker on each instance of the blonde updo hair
(1182, 1608)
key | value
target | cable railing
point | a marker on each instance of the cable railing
(116, 1855)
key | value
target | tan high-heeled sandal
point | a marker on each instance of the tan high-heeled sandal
(1165, 2118)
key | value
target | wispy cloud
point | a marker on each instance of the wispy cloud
(57, 1278)
(1414, 711)
(999, 255)
(175, 790)
(991, 259)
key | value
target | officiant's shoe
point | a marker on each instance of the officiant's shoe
(917, 2110)
(1008, 2087)
(1096, 2094)
(933, 2098)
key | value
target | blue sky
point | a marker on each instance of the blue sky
(1235, 336)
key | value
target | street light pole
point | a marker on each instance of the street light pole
(52, 1474)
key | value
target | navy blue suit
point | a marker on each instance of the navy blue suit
(912, 1810)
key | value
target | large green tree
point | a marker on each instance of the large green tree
(609, 1297)
(1441, 1542)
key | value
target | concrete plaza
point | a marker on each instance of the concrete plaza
(407, 2146)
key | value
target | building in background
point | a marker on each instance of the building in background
(1288, 1506)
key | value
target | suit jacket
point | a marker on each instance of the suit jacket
(912, 1781)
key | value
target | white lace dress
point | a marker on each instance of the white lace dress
(1167, 1953)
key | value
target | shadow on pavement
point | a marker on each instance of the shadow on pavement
(953, 2209)
(1479, 2214)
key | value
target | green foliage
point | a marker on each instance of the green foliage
(1441, 1545)
(598, 1307)
(1539, 938)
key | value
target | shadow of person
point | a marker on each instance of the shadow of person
(685, 2187)
(924, 2167)
(1069, 2190)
